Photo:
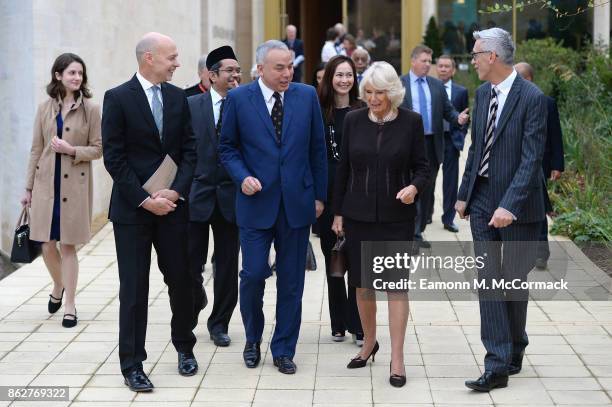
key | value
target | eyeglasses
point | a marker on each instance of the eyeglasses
(474, 54)
(231, 71)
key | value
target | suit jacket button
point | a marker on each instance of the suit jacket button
(65, 175)
(65, 199)
(67, 128)
(83, 174)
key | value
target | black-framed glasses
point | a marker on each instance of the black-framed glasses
(231, 71)
(474, 54)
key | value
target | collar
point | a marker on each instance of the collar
(215, 96)
(268, 93)
(449, 84)
(505, 85)
(146, 85)
(58, 102)
(413, 77)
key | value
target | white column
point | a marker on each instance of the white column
(601, 23)
(429, 8)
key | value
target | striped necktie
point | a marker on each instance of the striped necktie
(483, 169)
(157, 110)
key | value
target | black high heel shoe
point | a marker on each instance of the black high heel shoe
(54, 306)
(396, 380)
(68, 322)
(357, 362)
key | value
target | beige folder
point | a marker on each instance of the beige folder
(163, 177)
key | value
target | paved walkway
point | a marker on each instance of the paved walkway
(568, 362)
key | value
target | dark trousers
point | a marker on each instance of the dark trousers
(543, 248)
(133, 244)
(290, 245)
(426, 196)
(225, 235)
(510, 254)
(450, 179)
(343, 310)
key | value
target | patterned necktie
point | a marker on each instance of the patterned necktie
(483, 170)
(220, 120)
(447, 124)
(158, 110)
(277, 116)
(423, 107)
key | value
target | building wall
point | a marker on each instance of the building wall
(104, 34)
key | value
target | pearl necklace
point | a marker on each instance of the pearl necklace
(388, 117)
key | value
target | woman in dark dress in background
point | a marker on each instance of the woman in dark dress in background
(338, 95)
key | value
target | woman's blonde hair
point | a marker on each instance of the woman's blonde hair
(382, 76)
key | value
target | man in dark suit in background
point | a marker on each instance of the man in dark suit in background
(454, 139)
(501, 192)
(297, 46)
(212, 198)
(273, 146)
(204, 84)
(553, 162)
(427, 96)
(144, 120)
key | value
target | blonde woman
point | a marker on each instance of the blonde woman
(382, 168)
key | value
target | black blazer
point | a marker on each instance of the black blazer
(368, 180)
(441, 109)
(211, 182)
(515, 160)
(133, 149)
(460, 100)
(298, 49)
(553, 153)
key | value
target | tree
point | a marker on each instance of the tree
(432, 37)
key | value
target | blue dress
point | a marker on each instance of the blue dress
(57, 181)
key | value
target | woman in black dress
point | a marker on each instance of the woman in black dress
(338, 95)
(382, 167)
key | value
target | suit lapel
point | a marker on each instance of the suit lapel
(166, 106)
(258, 102)
(511, 101)
(481, 119)
(208, 118)
(408, 96)
(140, 98)
(288, 106)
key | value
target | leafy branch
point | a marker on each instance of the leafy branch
(520, 6)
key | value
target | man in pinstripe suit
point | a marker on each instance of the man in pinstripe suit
(501, 192)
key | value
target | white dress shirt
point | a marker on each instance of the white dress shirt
(148, 89)
(268, 95)
(329, 51)
(216, 103)
(503, 89)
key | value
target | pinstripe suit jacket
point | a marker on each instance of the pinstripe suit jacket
(515, 161)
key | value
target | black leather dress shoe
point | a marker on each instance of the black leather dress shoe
(487, 382)
(220, 339)
(138, 381)
(541, 264)
(451, 228)
(251, 354)
(516, 365)
(187, 364)
(285, 365)
(424, 244)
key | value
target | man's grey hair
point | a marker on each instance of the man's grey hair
(202, 63)
(266, 47)
(147, 44)
(499, 41)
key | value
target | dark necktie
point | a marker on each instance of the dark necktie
(277, 116)
(220, 120)
(483, 169)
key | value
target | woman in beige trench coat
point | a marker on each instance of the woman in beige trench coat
(59, 181)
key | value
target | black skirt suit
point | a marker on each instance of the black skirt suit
(377, 161)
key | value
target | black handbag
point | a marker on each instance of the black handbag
(311, 261)
(338, 258)
(24, 250)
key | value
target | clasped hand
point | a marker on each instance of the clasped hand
(162, 202)
(407, 195)
(61, 146)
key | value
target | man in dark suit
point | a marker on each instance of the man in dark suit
(272, 145)
(144, 120)
(454, 139)
(427, 96)
(212, 198)
(553, 162)
(204, 84)
(297, 46)
(501, 191)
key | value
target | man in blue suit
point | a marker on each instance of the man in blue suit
(272, 145)
(501, 192)
(553, 162)
(454, 139)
